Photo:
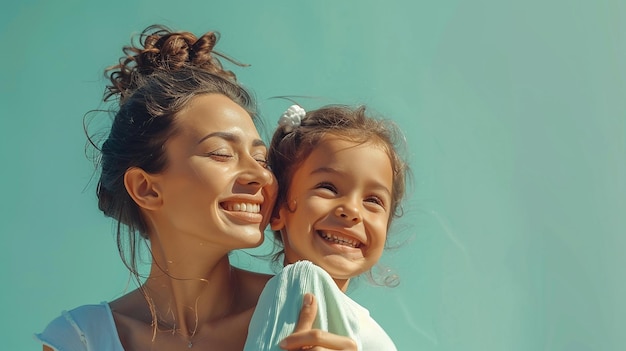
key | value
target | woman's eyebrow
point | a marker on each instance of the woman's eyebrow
(230, 137)
(258, 142)
(223, 135)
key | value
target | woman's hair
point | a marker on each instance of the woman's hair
(153, 82)
(290, 147)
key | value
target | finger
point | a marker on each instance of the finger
(307, 313)
(319, 339)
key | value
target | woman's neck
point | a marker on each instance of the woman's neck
(189, 287)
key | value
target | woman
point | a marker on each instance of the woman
(183, 167)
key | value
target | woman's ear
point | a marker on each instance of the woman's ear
(142, 188)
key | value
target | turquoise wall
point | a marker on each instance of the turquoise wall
(514, 111)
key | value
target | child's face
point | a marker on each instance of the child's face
(338, 208)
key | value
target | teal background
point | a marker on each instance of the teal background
(514, 112)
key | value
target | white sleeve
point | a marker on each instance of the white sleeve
(279, 306)
(63, 334)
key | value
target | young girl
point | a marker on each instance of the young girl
(341, 180)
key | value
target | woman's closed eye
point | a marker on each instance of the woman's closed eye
(262, 160)
(220, 155)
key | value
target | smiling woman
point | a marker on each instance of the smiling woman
(183, 171)
(215, 136)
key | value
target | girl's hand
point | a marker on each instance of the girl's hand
(306, 338)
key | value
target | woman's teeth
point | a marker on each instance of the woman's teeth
(243, 207)
(338, 240)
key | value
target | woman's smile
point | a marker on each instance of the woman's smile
(243, 211)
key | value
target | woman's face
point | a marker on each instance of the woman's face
(216, 187)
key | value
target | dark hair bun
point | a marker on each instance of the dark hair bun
(161, 49)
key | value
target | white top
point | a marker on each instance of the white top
(279, 306)
(85, 328)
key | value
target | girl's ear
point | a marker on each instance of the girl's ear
(278, 217)
(277, 222)
(142, 188)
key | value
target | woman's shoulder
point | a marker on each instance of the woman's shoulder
(253, 278)
(93, 311)
(82, 315)
(78, 328)
(251, 284)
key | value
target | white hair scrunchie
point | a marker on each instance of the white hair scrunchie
(291, 118)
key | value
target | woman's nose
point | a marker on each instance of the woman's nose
(255, 174)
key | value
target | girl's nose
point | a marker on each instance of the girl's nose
(348, 213)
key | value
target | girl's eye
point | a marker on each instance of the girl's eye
(327, 186)
(375, 200)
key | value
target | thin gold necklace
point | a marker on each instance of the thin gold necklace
(190, 341)
(195, 329)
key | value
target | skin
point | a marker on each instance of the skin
(193, 226)
(193, 210)
(338, 208)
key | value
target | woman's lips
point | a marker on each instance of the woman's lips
(245, 211)
(241, 207)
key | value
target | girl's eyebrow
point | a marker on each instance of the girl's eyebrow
(230, 137)
(376, 185)
(325, 170)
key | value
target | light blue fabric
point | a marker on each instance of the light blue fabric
(279, 306)
(85, 328)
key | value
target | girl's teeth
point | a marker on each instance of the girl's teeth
(341, 241)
